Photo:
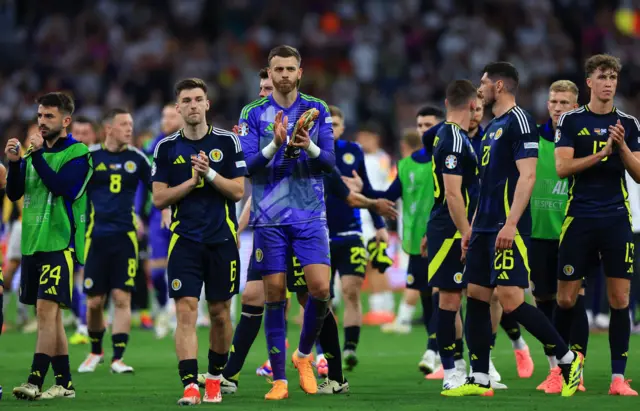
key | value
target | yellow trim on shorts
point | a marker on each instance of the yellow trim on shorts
(172, 243)
(522, 249)
(565, 227)
(92, 221)
(134, 239)
(230, 223)
(520, 245)
(68, 256)
(442, 253)
(625, 195)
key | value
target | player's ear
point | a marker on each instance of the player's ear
(446, 104)
(300, 73)
(589, 82)
(66, 121)
(208, 105)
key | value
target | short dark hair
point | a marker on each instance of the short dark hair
(460, 92)
(86, 120)
(58, 99)
(334, 111)
(505, 71)
(111, 114)
(190, 84)
(602, 61)
(437, 112)
(263, 73)
(284, 51)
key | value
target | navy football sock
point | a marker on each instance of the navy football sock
(619, 334)
(446, 337)
(478, 326)
(246, 332)
(534, 321)
(580, 328)
(432, 342)
(548, 307)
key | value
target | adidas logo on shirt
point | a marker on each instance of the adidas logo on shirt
(179, 160)
(584, 132)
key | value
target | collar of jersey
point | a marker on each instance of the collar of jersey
(455, 124)
(586, 107)
(209, 131)
(273, 101)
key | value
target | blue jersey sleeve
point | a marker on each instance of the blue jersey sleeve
(430, 135)
(68, 182)
(525, 136)
(327, 157)
(237, 167)
(250, 132)
(450, 154)
(394, 191)
(140, 198)
(564, 135)
(335, 185)
(16, 180)
(160, 168)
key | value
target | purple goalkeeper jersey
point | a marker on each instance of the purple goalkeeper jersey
(286, 190)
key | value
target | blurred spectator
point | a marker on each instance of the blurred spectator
(376, 59)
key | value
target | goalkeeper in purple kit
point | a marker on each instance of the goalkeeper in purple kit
(288, 208)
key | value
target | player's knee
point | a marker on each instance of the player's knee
(95, 303)
(253, 294)
(319, 289)
(46, 312)
(450, 301)
(510, 298)
(619, 299)
(566, 301)
(220, 314)
(122, 302)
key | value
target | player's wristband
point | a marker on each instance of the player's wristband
(313, 151)
(211, 174)
(270, 150)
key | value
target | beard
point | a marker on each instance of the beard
(193, 120)
(284, 87)
(50, 133)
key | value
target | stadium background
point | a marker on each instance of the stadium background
(378, 60)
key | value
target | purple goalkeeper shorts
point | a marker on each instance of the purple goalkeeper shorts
(272, 246)
(158, 239)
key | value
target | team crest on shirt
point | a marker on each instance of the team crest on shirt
(451, 162)
(410, 279)
(176, 284)
(243, 130)
(259, 255)
(130, 167)
(568, 270)
(457, 278)
(215, 155)
(348, 158)
(88, 283)
(557, 137)
(498, 134)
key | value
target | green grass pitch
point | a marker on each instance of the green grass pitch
(386, 379)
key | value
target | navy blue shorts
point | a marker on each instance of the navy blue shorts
(192, 264)
(445, 268)
(348, 256)
(418, 273)
(112, 263)
(488, 268)
(47, 276)
(610, 238)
